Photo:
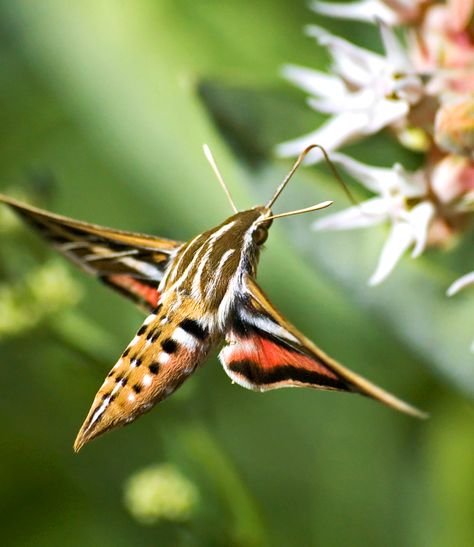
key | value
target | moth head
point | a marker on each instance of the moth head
(258, 220)
(261, 226)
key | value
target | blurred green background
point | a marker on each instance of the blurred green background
(105, 106)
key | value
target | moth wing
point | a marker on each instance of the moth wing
(264, 351)
(131, 263)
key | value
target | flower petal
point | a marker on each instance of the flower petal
(398, 241)
(365, 10)
(333, 133)
(396, 53)
(420, 219)
(345, 126)
(373, 178)
(461, 283)
(385, 112)
(355, 64)
(411, 184)
(369, 213)
(314, 82)
(362, 100)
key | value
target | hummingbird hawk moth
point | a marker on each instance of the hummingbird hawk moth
(197, 294)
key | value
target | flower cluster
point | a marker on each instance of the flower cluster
(422, 90)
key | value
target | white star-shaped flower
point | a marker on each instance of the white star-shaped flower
(400, 201)
(367, 92)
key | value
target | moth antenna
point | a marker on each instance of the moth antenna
(337, 175)
(298, 163)
(316, 207)
(212, 161)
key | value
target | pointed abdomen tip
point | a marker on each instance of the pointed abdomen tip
(79, 442)
(85, 435)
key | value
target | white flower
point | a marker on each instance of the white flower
(396, 189)
(368, 91)
(392, 12)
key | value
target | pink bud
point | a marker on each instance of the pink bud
(452, 178)
(460, 12)
(454, 127)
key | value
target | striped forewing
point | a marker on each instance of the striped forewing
(130, 263)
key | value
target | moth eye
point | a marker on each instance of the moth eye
(260, 235)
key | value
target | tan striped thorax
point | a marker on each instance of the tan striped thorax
(205, 267)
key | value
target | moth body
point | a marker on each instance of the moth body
(193, 307)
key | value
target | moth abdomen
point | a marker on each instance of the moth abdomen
(156, 362)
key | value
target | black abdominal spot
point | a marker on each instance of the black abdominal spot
(169, 346)
(153, 336)
(141, 330)
(154, 368)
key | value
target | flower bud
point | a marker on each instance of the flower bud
(454, 127)
(452, 178)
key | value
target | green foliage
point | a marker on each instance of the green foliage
(116, 99)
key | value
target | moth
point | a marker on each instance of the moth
(197, 295)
